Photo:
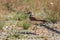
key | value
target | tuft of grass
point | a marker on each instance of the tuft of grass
(21, 16)
(26, 25)
(1, 25)
(16, 35)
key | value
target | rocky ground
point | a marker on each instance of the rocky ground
(40, 33)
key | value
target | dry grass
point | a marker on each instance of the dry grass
(44, 9)
(52, 9)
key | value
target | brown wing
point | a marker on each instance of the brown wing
(36, 19)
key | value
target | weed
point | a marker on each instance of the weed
(21, 16)
(1, 25)
(16, 35)
(26, 25)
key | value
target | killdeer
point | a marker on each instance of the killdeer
(34, 20)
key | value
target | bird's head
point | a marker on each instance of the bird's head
(30, 13)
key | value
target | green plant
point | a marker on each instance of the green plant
(16, 35)
(21, 16)
(26, 25)
(52, 19)
(1, 25)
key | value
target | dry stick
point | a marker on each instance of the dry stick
(49, 28)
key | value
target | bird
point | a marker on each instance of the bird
(34, 20)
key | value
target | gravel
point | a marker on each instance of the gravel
(10, 33)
